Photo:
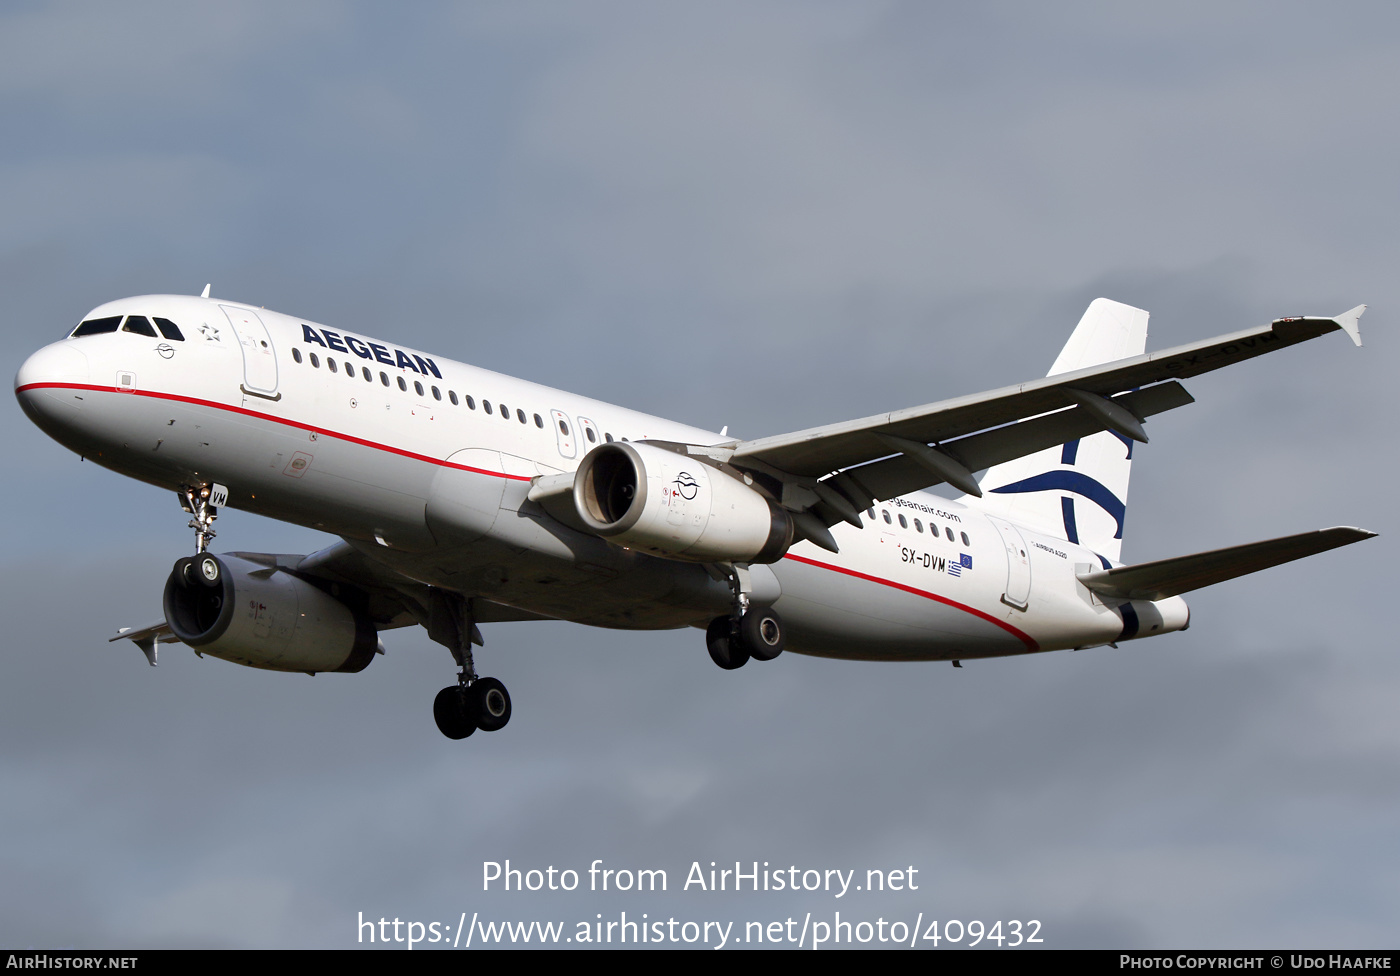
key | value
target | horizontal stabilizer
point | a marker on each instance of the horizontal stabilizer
(1170, 577)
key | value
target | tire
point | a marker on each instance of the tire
(492, 704)
(208, 571)
(725, 651)
(454, 712)
(185, 573)
(761, 630)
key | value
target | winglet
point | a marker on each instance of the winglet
(148, 648)
(147, 638)
(205, 292)
(1350, 323)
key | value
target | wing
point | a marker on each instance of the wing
(833, 472)
(395, 600)
(389, 599)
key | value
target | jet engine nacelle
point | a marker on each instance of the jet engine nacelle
(674, 505)
(263, 617)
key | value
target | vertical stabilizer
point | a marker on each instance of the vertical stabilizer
(1078, 491)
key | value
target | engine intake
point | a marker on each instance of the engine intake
(677, 506)
(262, 617)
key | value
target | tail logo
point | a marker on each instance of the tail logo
(1075, 483)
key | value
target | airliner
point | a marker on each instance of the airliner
(464, 497)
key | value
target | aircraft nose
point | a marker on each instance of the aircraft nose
(40, 388)
(57, 364)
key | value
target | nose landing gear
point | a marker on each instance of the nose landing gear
(201, 570)
(202, 501)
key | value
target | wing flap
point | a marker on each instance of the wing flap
(1170, 577)
(395, 600)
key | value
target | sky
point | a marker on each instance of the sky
(761, 215)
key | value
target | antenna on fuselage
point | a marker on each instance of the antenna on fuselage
(205, 292)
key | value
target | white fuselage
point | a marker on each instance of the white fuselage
(423, 464)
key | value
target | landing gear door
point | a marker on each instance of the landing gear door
(1018, 564)
(564, 431)
(259, 358)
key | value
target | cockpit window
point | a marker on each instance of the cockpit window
(170, 330)
(97, 326)
(140, 325)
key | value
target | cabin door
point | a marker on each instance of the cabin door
(259, 357)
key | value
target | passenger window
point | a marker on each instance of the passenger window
(437, 394)
(486, 405)
(965, 539)
(588, 432)
(918, 526)
(402, 385)
(418, 388)
(315, 363)
(140, 325)
(368, 377)
(296, 355)
(505, 411)
(886, 514)
(520, 415)
(471, 404)
(349, 371)
(949, 533)
(384, 378)
(564, 428)
(452, 395)
(607, 437)
(97, 326)
(903, 523)
(330, 364)
(539, 422)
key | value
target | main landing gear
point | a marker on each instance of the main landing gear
(472, 703)
(758, 634)
(461, 709)
(747, 632)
